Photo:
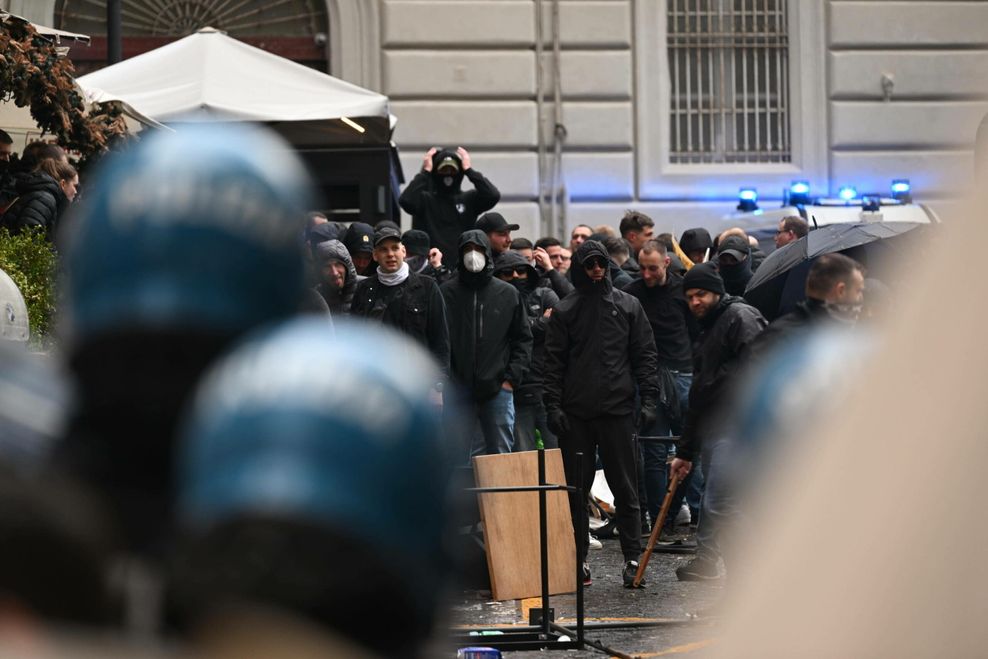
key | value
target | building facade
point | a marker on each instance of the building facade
(667, 106)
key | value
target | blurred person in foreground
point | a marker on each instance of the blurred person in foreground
(438, 204)
(598, 349)
(490, 344)
(157, 285)
(728, 327)
(538, 301)
(307, 460)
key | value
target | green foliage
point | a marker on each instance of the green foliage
(32, 263)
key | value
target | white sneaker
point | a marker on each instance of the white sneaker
(683, 516)
(594, 542)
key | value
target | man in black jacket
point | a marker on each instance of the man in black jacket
(598, 347)
(728, 327)
(636, 229)
(548, 257)
(538, 301)
(660, 292)
(437, 204)
(402, 299)
(490, 342)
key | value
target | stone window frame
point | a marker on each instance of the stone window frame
(658, 179)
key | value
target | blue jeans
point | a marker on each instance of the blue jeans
(529, 417)
(494, 428)
(655, 454)
(720, 508)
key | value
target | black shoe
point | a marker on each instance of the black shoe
(699, 569)
(629, 573)
(587, 580)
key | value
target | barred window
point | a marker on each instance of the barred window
(729, 73)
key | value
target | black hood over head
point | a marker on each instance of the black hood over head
(695, 240)
(510, 260)
(475, 279)
(736, 276)
(437, 158)
(581, 281)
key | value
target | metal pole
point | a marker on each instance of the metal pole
(578, 536)
(540, 112)
(543, 545)
(559, 131)
(114, 43)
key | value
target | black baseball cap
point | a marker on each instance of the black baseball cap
(736, 246)
(416, 242)
(491, 222)
(383, 233)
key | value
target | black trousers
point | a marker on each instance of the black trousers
(612, 436)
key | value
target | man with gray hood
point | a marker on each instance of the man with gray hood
(599, 348)
(337, 277)
(490, 343)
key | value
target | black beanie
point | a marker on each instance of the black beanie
(705, 277)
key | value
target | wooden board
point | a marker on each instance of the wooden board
(511, 525)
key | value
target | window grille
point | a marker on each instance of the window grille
(729, 72)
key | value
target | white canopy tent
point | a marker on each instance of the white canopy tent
(209, 76)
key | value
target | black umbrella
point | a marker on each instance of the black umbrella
(780, 282)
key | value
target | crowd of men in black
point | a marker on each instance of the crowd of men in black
(587, 344)
(580, 346)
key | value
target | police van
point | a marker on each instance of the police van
(848, 207)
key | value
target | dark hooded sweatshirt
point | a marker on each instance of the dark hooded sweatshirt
(536, 299)
(39, 204)
(673, 325)
(727, 333)
(338, 301)
(444, 212)
(489, 338)
(598, 347)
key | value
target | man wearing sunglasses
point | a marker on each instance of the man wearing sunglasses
(599, 348)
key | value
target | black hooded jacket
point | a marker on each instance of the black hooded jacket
(444, 212)
(598, 346)
(39, 204)
(727, 333)
(673, 325)
(414, 307)
(536, 299)
(489, 338)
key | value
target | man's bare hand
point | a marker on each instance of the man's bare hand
(464, 157)
(542, 258)
(435, 258)
(427, 160)
(548, 312)
(680, 468)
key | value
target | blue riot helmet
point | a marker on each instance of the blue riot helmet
(194, 229)
(307, 465)
(184, 241)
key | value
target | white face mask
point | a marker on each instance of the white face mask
(474, 261)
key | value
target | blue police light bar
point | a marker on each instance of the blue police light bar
(799, 193)
(847, 193)
(901, 190)
(900, 186)
(747, 200)
(799, 188)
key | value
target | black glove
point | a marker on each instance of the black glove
(647, 417)
(557, 422)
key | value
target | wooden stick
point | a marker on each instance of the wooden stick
(656, 530)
